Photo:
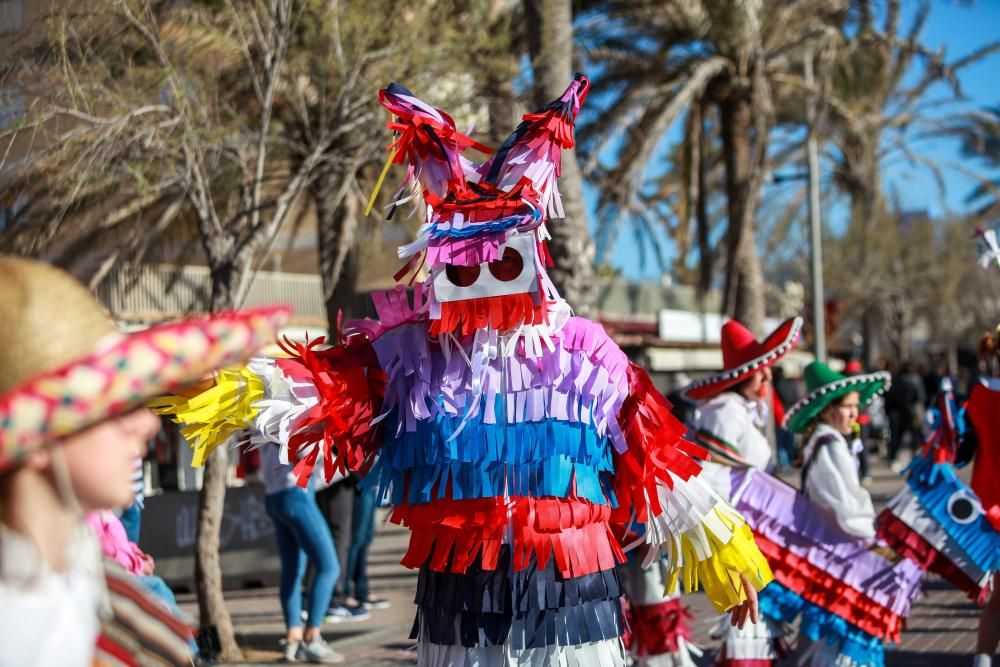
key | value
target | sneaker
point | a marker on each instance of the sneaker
(319, 651)
(376, 603)
(291, 651)
(345, 614)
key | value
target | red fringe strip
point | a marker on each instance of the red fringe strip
(656, 447)
(656, 628)
(746, 662)
(483, 202)
(554, 122)
(822, 589)
(908, 543)
(499, 312)
(449, 534)
(351, 386)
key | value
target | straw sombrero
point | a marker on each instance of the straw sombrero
(64, 367)
(743, 355)
(825, 386)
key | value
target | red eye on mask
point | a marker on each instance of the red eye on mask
(509, 266)
(462, 276)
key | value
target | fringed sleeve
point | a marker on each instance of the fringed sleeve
(657, 483)
(318, 404)
(212, 412)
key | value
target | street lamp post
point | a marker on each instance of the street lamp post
(815, 222)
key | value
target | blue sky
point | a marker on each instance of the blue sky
(959, 29)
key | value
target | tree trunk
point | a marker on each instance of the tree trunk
(212, 609)
(865, 192)
(550, 44)
(743, 298)
(336, 226)
(706, 256)
(208, 569)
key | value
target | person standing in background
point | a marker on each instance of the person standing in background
(336, 504)
(357, 592)
(786, 391)
(302, 536)
(861, 430)
(131, 516)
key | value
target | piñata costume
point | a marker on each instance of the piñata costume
(939, 522)
(981, 412)
(730, 427)
(511, 436)
(850, 596)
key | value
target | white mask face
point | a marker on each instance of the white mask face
(513, 273)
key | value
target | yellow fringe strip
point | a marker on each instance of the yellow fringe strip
(378, 183)
(719, 574)
(211, 416)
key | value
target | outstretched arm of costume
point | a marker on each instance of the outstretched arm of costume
(658, 483)
(317, 404)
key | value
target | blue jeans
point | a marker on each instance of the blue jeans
(786, 447)
(162, 592)
(131, 518)
(362, 532)
(301, 533)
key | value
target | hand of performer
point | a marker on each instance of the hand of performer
(746, 610)
(148, 564)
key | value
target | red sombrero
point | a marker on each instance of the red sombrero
(743, 355)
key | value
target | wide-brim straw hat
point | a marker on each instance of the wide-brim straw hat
(825, 385)
(64, 367)
(743, 355)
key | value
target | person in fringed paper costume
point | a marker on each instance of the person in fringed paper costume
(733, 407)
(514, 439)
(983, 441)
(849, 590)
(982, 444)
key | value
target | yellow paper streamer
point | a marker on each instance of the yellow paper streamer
(720, 574)
(378, 183)
(210, 417)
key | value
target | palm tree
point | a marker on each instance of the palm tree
(550, 45)
(718, 63)
(979, 132)
(877, 105)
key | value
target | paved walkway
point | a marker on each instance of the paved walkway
(940, 633)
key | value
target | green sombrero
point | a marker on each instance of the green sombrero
(825, 385)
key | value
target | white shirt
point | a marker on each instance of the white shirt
(832, 482)
(734, 424)
(49, 618)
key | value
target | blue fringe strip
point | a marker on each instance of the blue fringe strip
(783, 606)
(934, 484)
(446, 231)
(525, 459)
(502, 591)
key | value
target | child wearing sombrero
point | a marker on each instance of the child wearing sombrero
(732, 409)
(732, 403)
(825, 417)
(72, 422)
